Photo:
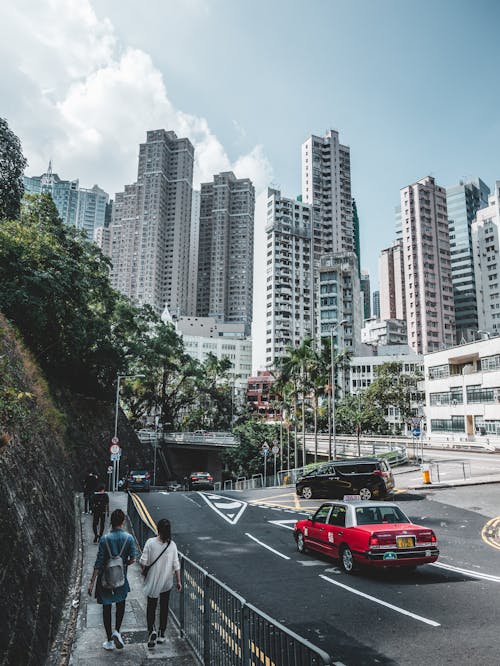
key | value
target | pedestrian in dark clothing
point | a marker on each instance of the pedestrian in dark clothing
(100, 509)
(89, 488)
(118, 541)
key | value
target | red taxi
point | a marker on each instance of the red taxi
(366, 533)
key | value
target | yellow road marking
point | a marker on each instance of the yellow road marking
(490, 533)
(144, 513)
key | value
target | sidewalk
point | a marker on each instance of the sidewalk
(87, 647)
(478, 480)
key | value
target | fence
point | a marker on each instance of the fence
(220, 626)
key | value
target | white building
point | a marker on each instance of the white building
(462, 391)
(385, 332)
(193, 252)
(486, 248)
(289, 275)
(202, 335)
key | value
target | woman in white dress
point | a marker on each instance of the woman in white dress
(161, 560)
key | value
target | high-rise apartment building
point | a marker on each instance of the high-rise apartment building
(193, 252)
(463, 202)
(430, 310)
(150, 227)
(78, 207)
(365, 290)
(339, 300)
(326, 185)
(376, 304)
(486, 254)
(225, 252)
(289, 275)
(392, 282)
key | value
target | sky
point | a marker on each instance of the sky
(411, 85)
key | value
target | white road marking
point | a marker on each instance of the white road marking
(223, 503)
(283, 523)
(467, 572)
(382, 603)
(285, 557)
(311, 563)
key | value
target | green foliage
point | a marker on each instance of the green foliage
(12, 165)
(393, 388)
(355, 413)
(246, 458)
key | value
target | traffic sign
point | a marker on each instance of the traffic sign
(416, 432)
(265, 446)
(115, 440)
(115, 456)
(275, 449)
(114, 448)
(110, 469)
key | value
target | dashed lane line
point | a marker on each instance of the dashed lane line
(264, 545)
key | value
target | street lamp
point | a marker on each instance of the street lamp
(116, 463)
(332, 438)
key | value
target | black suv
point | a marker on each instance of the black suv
(367, 477)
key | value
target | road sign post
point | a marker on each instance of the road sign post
(275, 451)
(265, 453)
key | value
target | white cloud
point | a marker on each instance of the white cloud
(97, 98)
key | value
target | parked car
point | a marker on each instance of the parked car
(367, 477)
(139, 480)
(200, 481)
(366, 533)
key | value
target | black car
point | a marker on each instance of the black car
(200, 481)
(367, 477)
(139, 479)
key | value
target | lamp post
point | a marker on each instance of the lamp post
(332, 440)
(116, 463)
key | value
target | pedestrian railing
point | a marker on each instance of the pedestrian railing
(244, 483)
(220, 626)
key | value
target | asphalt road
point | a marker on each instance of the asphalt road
(437, 615)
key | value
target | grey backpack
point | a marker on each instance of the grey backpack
(114, 570)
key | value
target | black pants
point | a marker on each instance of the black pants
(87, 502)
(98, 519)
(106, 617)
(151, 611)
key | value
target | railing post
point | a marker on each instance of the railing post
(182, 619)
(206, 621)
(245, 635)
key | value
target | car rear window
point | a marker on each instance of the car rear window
(372, 515)
(358, 468)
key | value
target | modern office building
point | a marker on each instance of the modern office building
(392, 282)
(326, 186)
(384, 332)
(486, 255)
(463, 202)
(339, 300)
(225, 252)
(193, 252)
(376, 304)
(150, 227)
(289, 276)
(462, 391)
(78, 207)
(430, 310)
(365, 290)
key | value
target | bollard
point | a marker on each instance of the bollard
(426, 474)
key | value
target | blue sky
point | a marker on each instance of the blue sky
(412, 86)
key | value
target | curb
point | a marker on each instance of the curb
(438, 486)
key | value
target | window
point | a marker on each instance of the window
(337, 516)
(321, 514)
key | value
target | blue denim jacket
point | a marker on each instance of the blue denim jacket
(116, 538)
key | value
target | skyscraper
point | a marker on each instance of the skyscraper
(289, 296)
(376, 304)
(193, 252)
(392, 282)
(326, 185)
(91, 210)
(463, 201)
(225, 252)
(365, 290)
(430, 311)
(486, 253)
(150, 228)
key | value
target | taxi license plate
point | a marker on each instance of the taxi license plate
(405, 541)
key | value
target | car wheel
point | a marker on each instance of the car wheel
(365, 493)
(347, 560)
(307, 492)
(301, 546)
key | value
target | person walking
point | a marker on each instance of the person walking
(115, 543)
(100, 509)
(89, 488)
(160, 561)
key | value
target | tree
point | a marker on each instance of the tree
(394, 388)
(12, 165)
(246, 457)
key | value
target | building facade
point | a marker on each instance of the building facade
(384, 332)
(462, 391)
(225, 251)
(365, 290)
(392, 282)
(193, 252)
(486, 255)
(340, 300)
(150, 227)
(463, 202)
(91, 209)
(376, 304)
(430, 310)
(289, 276)
(260, 397)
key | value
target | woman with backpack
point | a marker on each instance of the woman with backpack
(116, 552)
(160, 561)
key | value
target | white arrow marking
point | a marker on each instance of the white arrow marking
(283, 523)
(223, 503)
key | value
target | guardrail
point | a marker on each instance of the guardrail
(206, 439)
(221, 627)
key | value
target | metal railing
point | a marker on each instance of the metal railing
(223, 439)
(220, 626)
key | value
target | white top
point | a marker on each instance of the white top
(160, 577)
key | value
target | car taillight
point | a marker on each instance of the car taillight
(433, 538)
(374, 540)
(194, 478)
(210, 478)
(147, 476)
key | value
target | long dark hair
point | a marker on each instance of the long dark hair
(164, 530)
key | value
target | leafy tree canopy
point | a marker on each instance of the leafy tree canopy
(12, 165)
